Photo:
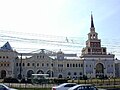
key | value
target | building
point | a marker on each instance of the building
(97, 63)
(58, 65)
(93, 62)
(7, 61)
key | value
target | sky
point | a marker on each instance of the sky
(59, 21)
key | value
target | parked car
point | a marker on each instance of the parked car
(64, 86)
(5, 87)
(83, 87)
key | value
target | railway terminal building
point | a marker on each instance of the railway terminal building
(93, 62)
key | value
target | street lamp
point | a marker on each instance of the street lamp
(20, 75)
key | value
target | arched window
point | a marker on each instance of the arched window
(75, 73)
(69, 73)
(28, 64)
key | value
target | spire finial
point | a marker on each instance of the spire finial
(92, 23)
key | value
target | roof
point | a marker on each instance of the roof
(66, 57)
(6, 46)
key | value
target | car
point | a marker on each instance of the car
(5, 87)
(64, 86)
(83, 87)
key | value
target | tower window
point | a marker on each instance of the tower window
(104, 50)
(88, 49)
(94, 36)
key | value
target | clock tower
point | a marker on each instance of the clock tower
(96, 61)
(93, 44)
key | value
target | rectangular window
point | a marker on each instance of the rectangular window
(67, 65)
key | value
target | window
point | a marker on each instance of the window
(75, 73)
(73, 65)
(81, 65)
(16, 64)
(47, 64)
(4, 64)
(69, 73)
(33, 64)
(8, 65)
(52, 64)
(19, 64)
(42, 64)
(37, 64)
(3, 56)
(69, 85)
(6, 56)
(80, 73)
(1, 64)
(28, 64)
(23, 64)
(67, 65)
(37, 56)
(88, 49)
(76, 65)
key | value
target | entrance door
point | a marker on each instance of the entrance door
(99, 70)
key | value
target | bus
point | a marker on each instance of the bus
(40, 78)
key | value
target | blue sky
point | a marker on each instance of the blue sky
(66, 18)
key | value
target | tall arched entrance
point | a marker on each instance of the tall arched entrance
(3, 74)
(29, 73)
(99, 70)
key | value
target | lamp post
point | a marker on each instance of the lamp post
(20, 75)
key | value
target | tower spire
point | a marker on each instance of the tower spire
(92, 23)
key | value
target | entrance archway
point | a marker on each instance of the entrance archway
(99, 70)
(3, 74)
(29, 73)
(60, 76)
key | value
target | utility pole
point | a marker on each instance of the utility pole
(20, 77)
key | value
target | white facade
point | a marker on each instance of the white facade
(93, 62)
(7, 61)
(55, 65)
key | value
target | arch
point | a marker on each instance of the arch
(99, 70)
(3, 74)
(60, 76)
(51, 74)
(69, 73)
(40, 72)
(29, 73)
